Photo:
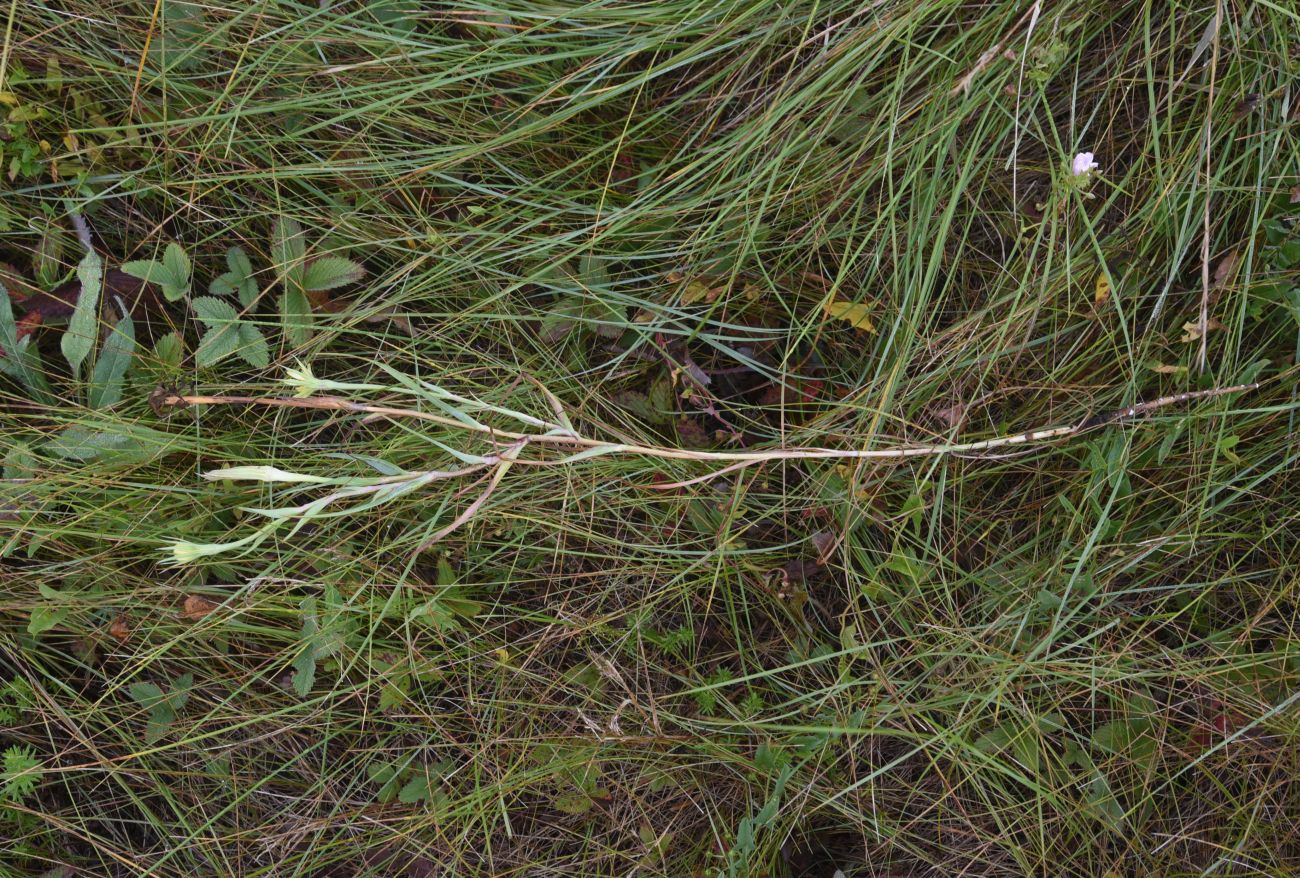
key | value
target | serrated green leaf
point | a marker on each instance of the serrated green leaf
(560, 320)
(381, 772)
(177, 263)
(573, 803)
(661, 401)
(146, 695)
(295, 316)
(238, 280)
(217, 344)
(44, 618)
(1105, 805)
(593, 272)
(253, 347)
(156, 728)
(607, 319)
(79, 336)
(20, 462)
(414, 790)
(152, 271)
(304, 671)
(169, 350)
(179, 695)
(110, 369)
(328, 272)
(394, 692)
(305, 663)
(288, 248)
(130, 445)
(214, 312)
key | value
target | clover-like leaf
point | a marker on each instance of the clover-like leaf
(238, 281)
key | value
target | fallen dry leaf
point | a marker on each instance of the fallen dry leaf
(196, 608)
(951, 416)
(1226, 269)
(1295, 194)
(1192, 329)
(697, 291)
(1101, 291)
(856, 314)
(825, 542)
(120, 630)
(1165, 369)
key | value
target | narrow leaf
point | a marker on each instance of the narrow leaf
(20, 359)
(79, 337)
(110, 369)
(289, 250)
(295, 315)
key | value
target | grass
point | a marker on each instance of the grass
(1074, 657)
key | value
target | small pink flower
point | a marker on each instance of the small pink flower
(1083, 164)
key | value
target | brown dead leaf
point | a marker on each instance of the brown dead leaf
(1295, 194)
(825, 542)
(196, 608)
(57, 305)
(1246, 106)
(1226, 269)
(120, 630)
(15, 282)
(951, 416)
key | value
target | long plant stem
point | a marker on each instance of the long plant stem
(572, 440)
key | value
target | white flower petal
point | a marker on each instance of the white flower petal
(1083, 164)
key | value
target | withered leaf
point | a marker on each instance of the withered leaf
(1101, 290)
(1192, 329)
(57, 305)
(120, 630)
(856, 314)
(196, 608)
(1226, 269)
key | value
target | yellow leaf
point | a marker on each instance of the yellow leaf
(1101, 291)
(1165, 369)
(856, 314)
(8, 98)
(1192, 329)
(698, 291)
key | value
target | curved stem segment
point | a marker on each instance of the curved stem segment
(593, 447)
